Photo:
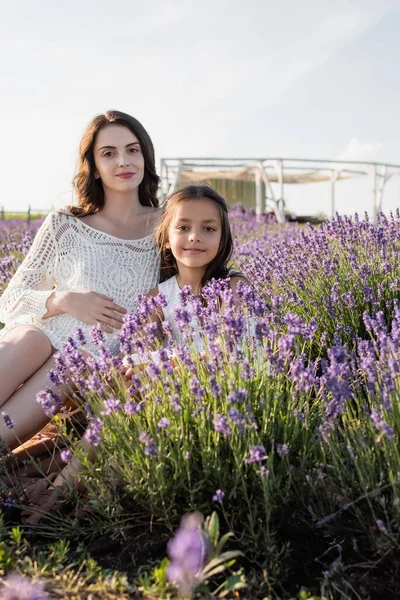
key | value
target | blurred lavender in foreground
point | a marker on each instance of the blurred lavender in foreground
(16, 587)
(188, 552)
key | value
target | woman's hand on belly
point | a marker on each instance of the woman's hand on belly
(90, 307)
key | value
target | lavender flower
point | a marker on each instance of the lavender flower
(8, 420)
(221, 425)
(111, 405)
(49, 401)
(93, 431)
(218, 496)
(188, 552)
(381, 425)
(382, 527)
(238, 396)
(282, 449)
(66, 455)
(256, 454)
(164, 423)
(150, 446)
(16, 587)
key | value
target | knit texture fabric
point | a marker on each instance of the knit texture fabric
(68, 255)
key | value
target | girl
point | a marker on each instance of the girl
(86, 267)
(195, 242)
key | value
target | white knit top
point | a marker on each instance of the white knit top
(69, 255)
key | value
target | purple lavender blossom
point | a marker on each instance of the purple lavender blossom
(16, 587)
(218, 496)
(164, 423)
(49, 401)
(282, 449)
(256, 454)
(237, 418)
(381, 425)
(8, 420)
(66, 455)
(382, 527)
(221, 425)
(238, 396)
(111, 405)
(150, 446)
(93, 431)
(132, 408)
(188, 552)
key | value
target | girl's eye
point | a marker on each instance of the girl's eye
(183, 228)
(109, 153)
(209, 228)
(133, 150)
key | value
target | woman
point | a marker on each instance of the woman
(86, 267)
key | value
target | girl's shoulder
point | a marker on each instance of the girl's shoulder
(235, 276)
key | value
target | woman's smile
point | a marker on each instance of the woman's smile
(126, 175)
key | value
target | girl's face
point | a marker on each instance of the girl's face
(119, 160)
(194, 234)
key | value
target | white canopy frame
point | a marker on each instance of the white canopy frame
(276, 170)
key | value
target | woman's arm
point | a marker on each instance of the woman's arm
(33, 282)
(31, 290)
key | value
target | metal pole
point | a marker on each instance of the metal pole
(2, 215)
(281, 209)
(334, 177)
(175, 182)
(29, 215)
(374, 196)
(258, 192)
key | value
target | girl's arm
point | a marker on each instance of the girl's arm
(134, 362)
(234, 281)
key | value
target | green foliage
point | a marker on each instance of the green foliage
(66, 574)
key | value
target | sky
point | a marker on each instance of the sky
(220, 78)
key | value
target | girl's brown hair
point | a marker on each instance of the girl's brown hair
(218, 267)
(89, 190)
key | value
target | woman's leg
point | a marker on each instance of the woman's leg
(27, 415)
(22, 352)
(28, 418)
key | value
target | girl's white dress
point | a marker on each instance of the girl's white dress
(69, 255)
(171, 289)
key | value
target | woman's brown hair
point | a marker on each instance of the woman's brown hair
(89, 190)
(218, 267)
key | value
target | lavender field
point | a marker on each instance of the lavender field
(287, 428)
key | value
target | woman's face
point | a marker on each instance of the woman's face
(119, 160)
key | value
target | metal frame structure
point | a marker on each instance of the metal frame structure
(281, 171)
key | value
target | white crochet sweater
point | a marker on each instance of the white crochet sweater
(69, 255)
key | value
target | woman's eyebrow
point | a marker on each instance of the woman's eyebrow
(114, 147)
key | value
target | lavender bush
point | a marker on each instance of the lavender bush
(288, 424)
